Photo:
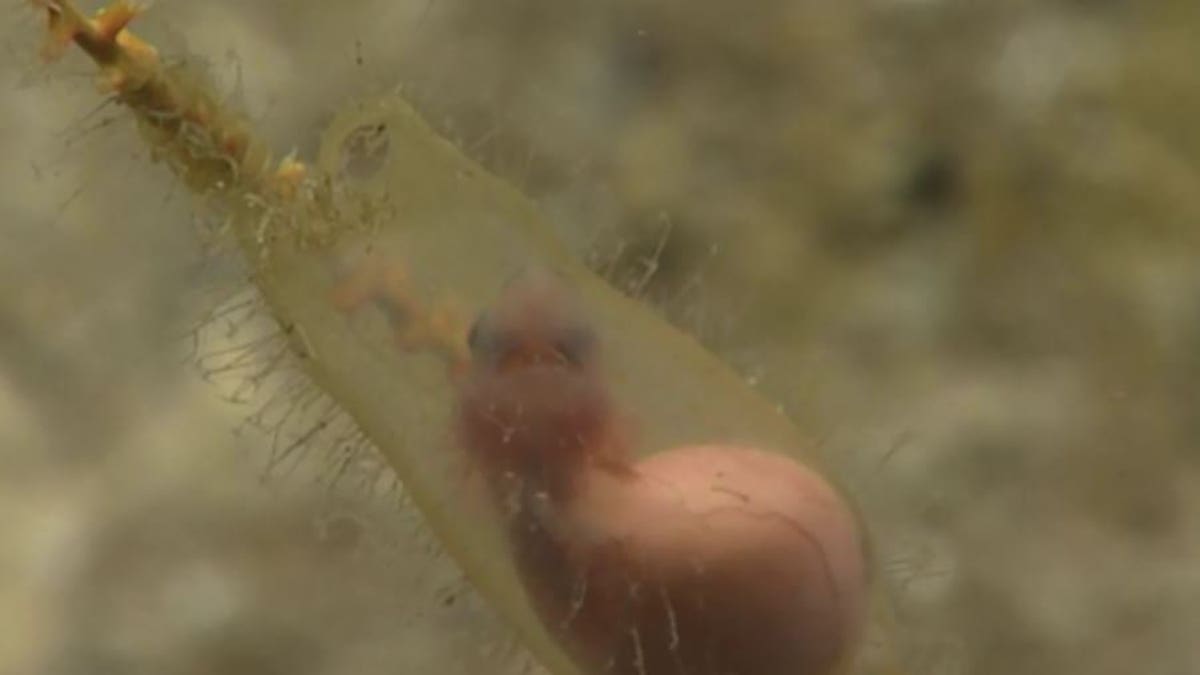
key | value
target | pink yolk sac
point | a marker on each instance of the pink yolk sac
(701, 560)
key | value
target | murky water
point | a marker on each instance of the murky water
(954, 245)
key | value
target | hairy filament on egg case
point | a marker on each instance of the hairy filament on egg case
(209, 147)
(266, 202)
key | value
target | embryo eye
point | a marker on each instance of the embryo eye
(576, 344)
(487, 344)
(479, 335)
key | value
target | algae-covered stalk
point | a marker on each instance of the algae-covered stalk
(730, 552)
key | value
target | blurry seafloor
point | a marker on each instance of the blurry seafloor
(956, 241)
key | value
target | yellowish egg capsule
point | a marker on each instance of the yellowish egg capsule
(644, 512)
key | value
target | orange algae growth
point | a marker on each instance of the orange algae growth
(645, 511)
